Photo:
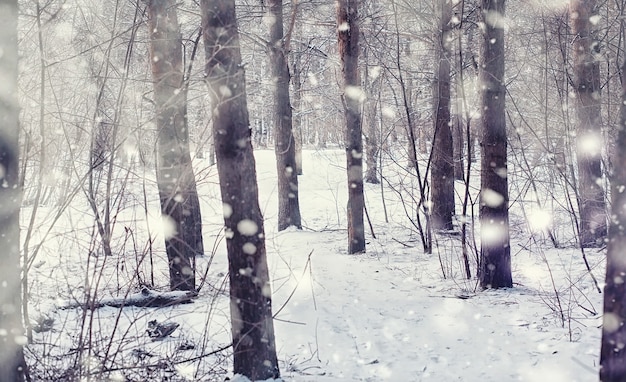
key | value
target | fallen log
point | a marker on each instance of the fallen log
(147, 298)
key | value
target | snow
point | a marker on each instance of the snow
(391, 314)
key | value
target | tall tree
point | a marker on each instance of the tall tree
(495, 251)
(284, 142)
(12, 364)
(180, 207)
(348, 38)
(297, 67)
(250, 291)
(612, 354)
(442, 173)
(593, 226)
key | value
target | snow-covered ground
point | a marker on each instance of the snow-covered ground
(392, 314)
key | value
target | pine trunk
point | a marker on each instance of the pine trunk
(495, 252)
(348, 37)
(12, 364)
(180, 207)
(593, 226)
(284, 142)
(442, 173)
(254, 347)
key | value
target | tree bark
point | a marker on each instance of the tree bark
(297, 107)
(442, 173)
(180, 207)
(297, 66)
(495, 252)
(284, 142)
(372, 135)
(593, 225)
(12, 364)
(250, 292)
(612, 353)
(459, 147)
(348, 38)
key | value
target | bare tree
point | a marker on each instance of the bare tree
(250, 291)
(593, 227)
(284, 142)
(12, 364)
(180, 207)
(495, 252)
(348, 36)
(442, 173)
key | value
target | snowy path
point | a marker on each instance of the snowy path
(374, 322)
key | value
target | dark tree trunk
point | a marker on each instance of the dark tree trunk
(12, 364)
(177, 186)
(254, 348)
(495, 252)
(593, 226)
(612, 354)
(442, 173)
(348, 36)
(284, 142)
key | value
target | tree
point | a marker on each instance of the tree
(297, 67)
(586, 78)
(12, 364)
(612, 355)
(284, 142)
(250, 292)
(442, 173)
(348, 38)
(495, 252)
(372, 85)
(180, 207)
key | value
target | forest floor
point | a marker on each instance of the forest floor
(392, 314)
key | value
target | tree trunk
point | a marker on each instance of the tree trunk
(372, 135)
(593, 226)
(180, 207)
(348, 37)
(296, 80)
(284, 142)
(254, 348)
(495, 252)
(442, 173)
(12, 364)
(459, 147)
(612, 353)
(297, 106)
